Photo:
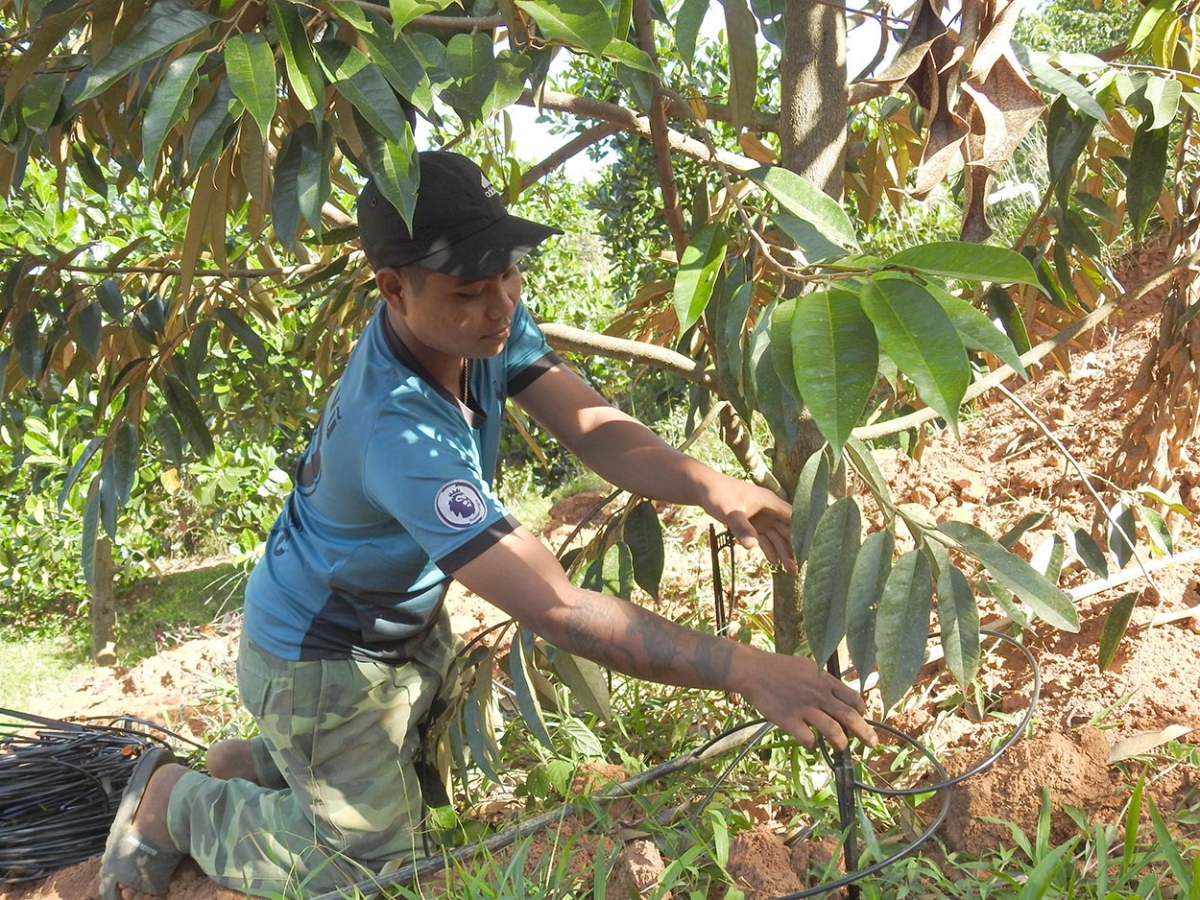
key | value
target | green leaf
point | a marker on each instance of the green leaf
(976, 330)
(628, 55)
(835, 355)
(1041, 877)
(732, 307)
(89, 170)
(867, 579)
(402, 65)
(581, 23)
(125, 459)
(584, 679)
(766, 392)
(1089, 551)
(1147, 169)
(1059, 82)
(478, 721)
(688, 20)
(1122, 533)
(970, 262)
(1147, 23)
(1167, 845)
(1016, 575)
(209, 129)
(698, 273)
(362, 83)
(285, 197)
(250, 67)
(91, 527)
(77, 467)
(109, 294)
(1067, 134)
(643, 533)
(959, 618)
(312, 179)
(902, 625)
(741, 31)
(40, 101)
(304, 74)
(1048, 557)
(395, 170)
(188, 415)
(164, 24)
(404, 11)
(27, 340)
(1163, 96)
(916, 333)
(247, 335)
(612, 573)
(1005, 312)
(170, 102)
(781, 343)
(805, 200)
(511, 72)
(1133, 820)
(808, 504)
(471, 60)
(1157, 530)
(1115, 625)
(519, 665)
(108, 497)
(169, 438)
(835, 546)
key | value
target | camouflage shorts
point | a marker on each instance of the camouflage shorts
(338, 795)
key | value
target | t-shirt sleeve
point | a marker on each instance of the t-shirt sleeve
(423, 469)
(527, 355)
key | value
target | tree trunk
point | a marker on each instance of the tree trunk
(815, 96)
(103, 605)
(815, 100)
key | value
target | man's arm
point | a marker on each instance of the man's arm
(626, 453)
(520, 576)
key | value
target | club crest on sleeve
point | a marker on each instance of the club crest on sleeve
(459, 504)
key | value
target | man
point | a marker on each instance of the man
(346, 643)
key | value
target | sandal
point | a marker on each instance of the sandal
(130, 859)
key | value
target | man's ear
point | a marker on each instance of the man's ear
(392, 286)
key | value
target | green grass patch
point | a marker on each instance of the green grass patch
(31, 667)
(171, 607)
(164, 609)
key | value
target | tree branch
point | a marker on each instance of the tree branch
(660, 133)
(565, 337)
(573, 147)
(587, 108)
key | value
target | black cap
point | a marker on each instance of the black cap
(460, 225)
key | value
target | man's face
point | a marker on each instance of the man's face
(453, 317)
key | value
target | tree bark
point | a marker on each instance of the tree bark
(103, 605)
(815, 96)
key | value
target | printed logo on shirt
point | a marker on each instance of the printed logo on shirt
(459, 504)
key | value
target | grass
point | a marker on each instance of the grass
(153, 611)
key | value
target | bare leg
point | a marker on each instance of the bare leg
(232, 758)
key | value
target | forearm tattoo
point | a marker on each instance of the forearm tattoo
(625, 637)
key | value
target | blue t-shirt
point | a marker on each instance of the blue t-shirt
(394, 490)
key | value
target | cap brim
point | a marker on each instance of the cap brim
(490, 250)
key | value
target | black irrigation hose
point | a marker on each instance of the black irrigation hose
(942, 785)
(60, 784)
